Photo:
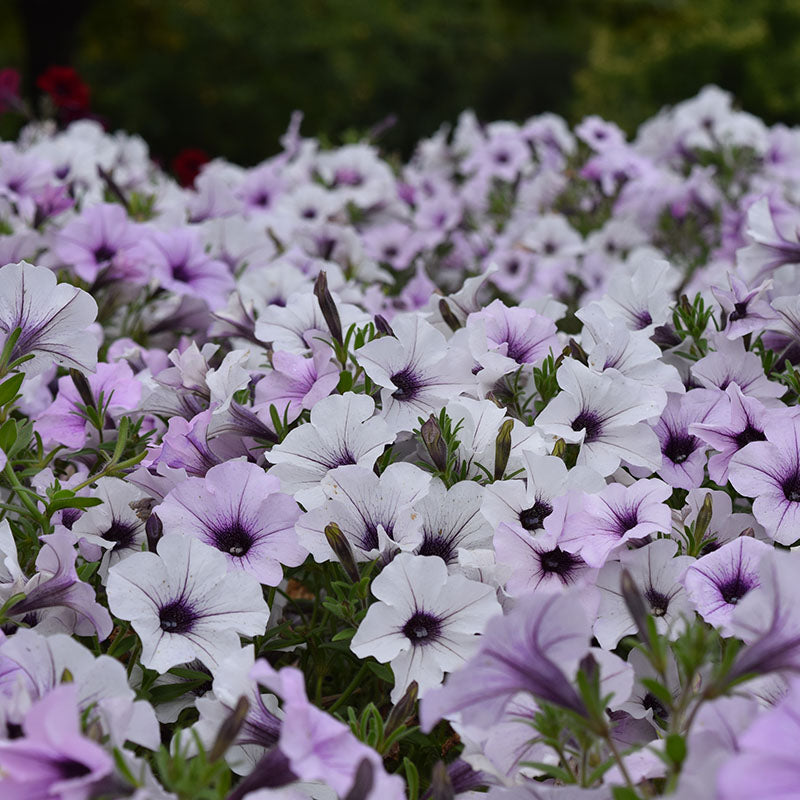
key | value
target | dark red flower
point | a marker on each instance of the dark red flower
(188, 163)
(65, 87)
(9, 89)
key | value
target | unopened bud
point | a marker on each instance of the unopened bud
(665, 337)
(635, 604)
(343, 550)
(363, 782)
(588, 665)
(154, 529)
(432, 439)
(82, 385)
(559, 448)
(578, 353)
(328, 307)
(502, 449)
(448, 316)
(441, 785)
(402, 710)
(383, 326)
(229, 730)
(703, 518)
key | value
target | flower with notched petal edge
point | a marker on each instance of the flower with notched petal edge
(53, 318)
(184, 602)
(425, 622)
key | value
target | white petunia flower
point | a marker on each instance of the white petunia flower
(53, 318)
(426, 621)
(184, 604)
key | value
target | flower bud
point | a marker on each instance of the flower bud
(635, 603)
(328, 307)
(502, 449)
(82, 385)
(402, 710)
(448, 316)
(363, 782)
(432, 438)
(154, 529)
(383, 326)
(229, 730)
(343, 550)
(703, 518)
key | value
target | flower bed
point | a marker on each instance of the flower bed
(339, 476)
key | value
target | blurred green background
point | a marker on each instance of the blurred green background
(225, 75)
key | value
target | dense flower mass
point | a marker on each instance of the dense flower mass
(341, 476)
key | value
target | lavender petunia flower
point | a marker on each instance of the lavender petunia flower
(239, 510)
(765, 763)
(683, 454)
(746, 424)
(56, 584)
(62, 421)
(538, 563)
(53, 758)
(613, 517)
(185, 603)
(532, 649)
(53, 317)
(769, 471)
(317, 746)
(747, 313)
(718, 581)
(425, 622)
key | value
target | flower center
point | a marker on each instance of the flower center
(679, 447)
(437, 545)
(121, 533)
(734, 588)
(422, 629)
(739, 312)
(103, 253)
(176, 617)
(234, 539)
(749, 434)
(533, 517)
(558, 562)
(643, 319)
(589, 422)
(69, 768)
(659, 602)
(406, 383)
(652, 703)
(627, 519)
(791, 488)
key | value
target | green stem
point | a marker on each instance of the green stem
(351, 687)
(21, 492)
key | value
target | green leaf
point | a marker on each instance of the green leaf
(81, 503)
(8, 435)
(550, 769)
(9, 388)
(676, 748)
(344, 635)
(624, 793)
(412, 778)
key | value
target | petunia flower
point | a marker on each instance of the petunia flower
(53, 758)
(656, 570)
(746, 311)
(769, 471)
(343, 430)
(318, 747)
(54, 318)
(185, 603)
(717, 582)
(239, 510)
(615, 516)
(534, 648)
(605, 414)
(64, 423)
(111, 531)
(425, 622)
(765, 762)
(683, 455)
(374, 513)
(417, 370)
